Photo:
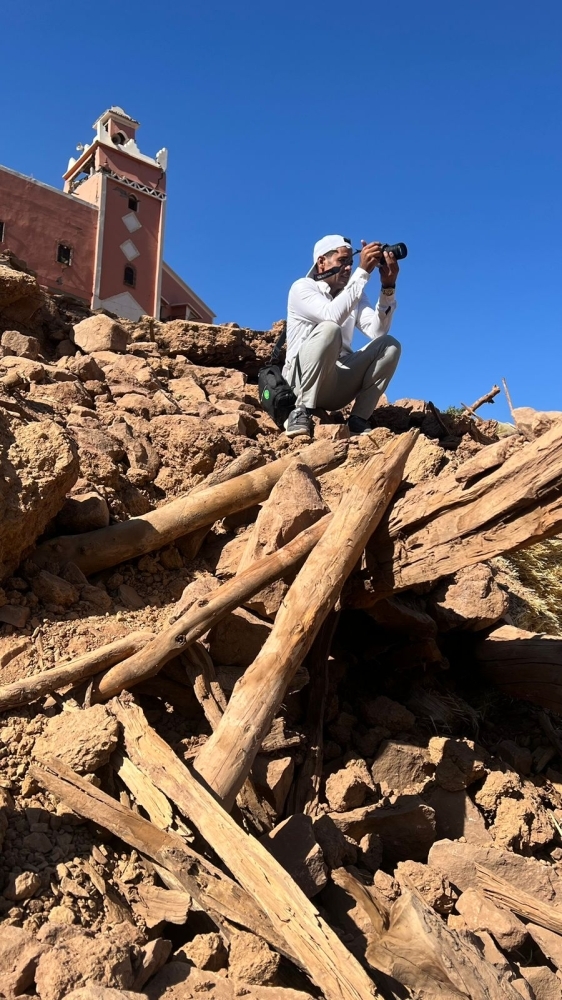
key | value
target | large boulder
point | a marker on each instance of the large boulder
(20, 296)
(100, 333)
(38, 465)
(204, 344)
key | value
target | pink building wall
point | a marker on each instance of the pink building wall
(111, 215)
(180, 302)
(37, 218)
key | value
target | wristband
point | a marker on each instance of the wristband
(388, 289)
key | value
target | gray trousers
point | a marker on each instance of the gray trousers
(322, 379)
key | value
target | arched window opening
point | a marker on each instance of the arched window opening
(119, 139)
(130, 276)
(133, 203)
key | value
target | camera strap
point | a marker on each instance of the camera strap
(277, 348)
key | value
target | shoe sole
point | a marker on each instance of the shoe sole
(298, 433)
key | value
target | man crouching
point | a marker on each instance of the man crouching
(321, 317)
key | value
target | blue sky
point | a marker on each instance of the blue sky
(434, 123)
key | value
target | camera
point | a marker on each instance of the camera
(400, 250)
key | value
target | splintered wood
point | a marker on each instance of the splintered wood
(227, 757)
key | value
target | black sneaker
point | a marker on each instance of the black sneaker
(358, 425)
(298, 422)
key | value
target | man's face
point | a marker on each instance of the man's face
(338, 257)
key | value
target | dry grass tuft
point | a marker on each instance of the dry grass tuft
(533, 578)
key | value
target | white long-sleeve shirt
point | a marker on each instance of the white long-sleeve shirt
(311, 302)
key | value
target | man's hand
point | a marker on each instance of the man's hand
(371, 256)
(388, 270)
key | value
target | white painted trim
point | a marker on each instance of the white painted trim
(49, 187)
(160, 261)
(123, 304)
(99, 245)
(187, 289)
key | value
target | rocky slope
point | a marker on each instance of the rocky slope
(427, 769)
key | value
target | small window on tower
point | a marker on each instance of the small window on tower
(64, 254)
(130, 276)
(2, 228)
(133, 203)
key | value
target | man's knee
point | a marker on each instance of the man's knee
(329, 333)
(391, 347)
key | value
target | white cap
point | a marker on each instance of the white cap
(325, 246)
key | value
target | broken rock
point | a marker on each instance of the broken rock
(458, 763)
(40, 466)
(52, 589)
(293, 844)
(400, 767)
(435, 888)
(207, 951)
(19, 954)
(100, 333)
(391, 715)
(481, 914)
(84, 739)
(346, 789)
(458, 861)
(78, 958)
(407, 829)
(251, 960)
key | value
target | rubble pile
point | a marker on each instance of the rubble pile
(274, 722)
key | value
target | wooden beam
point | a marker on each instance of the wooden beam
(93, 551)
(317, 948)
(206, 612)
(29, 689)
(215, 892)
(524, 665)
(227, 757)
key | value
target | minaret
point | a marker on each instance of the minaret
(129, 190)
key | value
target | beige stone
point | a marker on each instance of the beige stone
(481, 914)
(84, 739)
(206, 951)
(470, 600)
(347, 788)
(19, 344)
(273, 778)
(100, 333)
(40, 467)
(458, 861)
(458, 763)
(251, 960)
(434, 887)
(543, 982)
(21, 886)
(400, 767)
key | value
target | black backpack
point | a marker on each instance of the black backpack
(275, 394)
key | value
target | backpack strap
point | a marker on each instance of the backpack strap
(277, 348)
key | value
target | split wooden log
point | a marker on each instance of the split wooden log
(317, 949)
(227, 757)
(215, 892)
(207, 611)
(442, 526)
(29, 689)
(92, 551)
(524, 665)
(520, 902)
(422, 953)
